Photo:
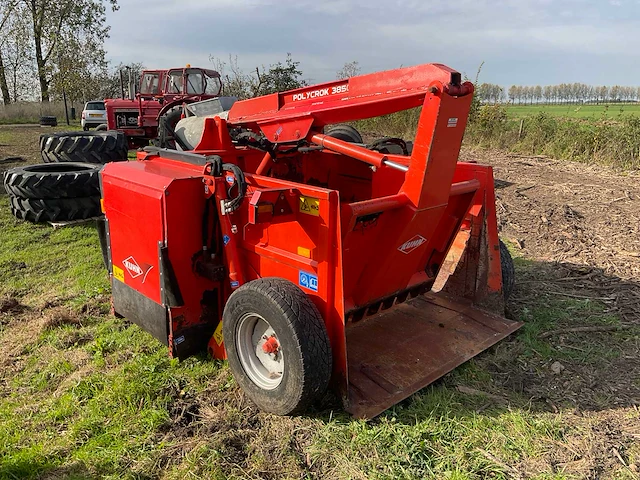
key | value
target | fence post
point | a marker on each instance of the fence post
(521, 128)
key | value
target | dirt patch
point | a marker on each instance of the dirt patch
(594, 445)
(11, 305)
(578, 226)
(252, 444)
(21, 141)
(58, 316)
(569, 213)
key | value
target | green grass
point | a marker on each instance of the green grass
(604, 134)
(86, 395)
(590, 112)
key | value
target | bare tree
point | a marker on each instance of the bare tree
(348, 70)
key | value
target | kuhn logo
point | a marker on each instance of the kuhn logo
(132, 267)
(136, 270)
(410, 245)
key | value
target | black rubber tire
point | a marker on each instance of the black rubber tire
(53, 180)
(54, 209)
(166, 128)
(508, 271)
(344, 132)
(84, 147)
(302, 336)
(49, 121)
(103, 127)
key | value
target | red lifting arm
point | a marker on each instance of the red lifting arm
(288, 116)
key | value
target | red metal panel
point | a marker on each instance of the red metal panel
(134, 247)
(396, 353)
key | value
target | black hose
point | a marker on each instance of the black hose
(234, 203)
(216, 169)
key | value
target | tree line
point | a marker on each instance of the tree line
(52, 46)
(564, 93)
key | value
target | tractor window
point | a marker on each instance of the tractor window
(214, 85)
(175, 82)
(150, 83)
(195, 83)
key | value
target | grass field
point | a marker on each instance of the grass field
(591, 112)
(84, 395)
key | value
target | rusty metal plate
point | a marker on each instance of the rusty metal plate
(396, 353)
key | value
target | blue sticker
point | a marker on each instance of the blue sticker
(179, 340)
(225, 239)
(235, 284)
(308, 280)
(230, 179)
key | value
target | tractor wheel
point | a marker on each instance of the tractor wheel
(55, 209)
(277, 345)
(53, 180)
(103, 127)
(167, 127)
(344, 132)
(84, 147)
(508, 271)
(49, 121)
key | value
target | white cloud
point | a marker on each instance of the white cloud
(537, 40)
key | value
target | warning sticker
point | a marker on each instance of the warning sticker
(308, 280)
(310, 206)
(118, 273)
(217, 335)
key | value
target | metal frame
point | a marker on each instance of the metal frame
(361, 232)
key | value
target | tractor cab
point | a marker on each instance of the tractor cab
(151, 82)
(159, 94)
(191, 81)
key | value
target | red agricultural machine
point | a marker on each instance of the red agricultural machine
(155, 110)
(308, 260)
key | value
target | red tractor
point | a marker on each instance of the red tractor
(155, 110)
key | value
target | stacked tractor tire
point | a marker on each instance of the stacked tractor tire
(66, 186)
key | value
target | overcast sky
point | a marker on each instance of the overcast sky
(523, 42)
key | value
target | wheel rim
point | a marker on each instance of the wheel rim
(259, 351)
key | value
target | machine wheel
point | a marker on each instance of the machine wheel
(49, 121)
(166, 128)
(277, 345)
(508, 271)
(344, 132)
(53, 180)
(84, 147)
(55, 209)
(103, 127)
